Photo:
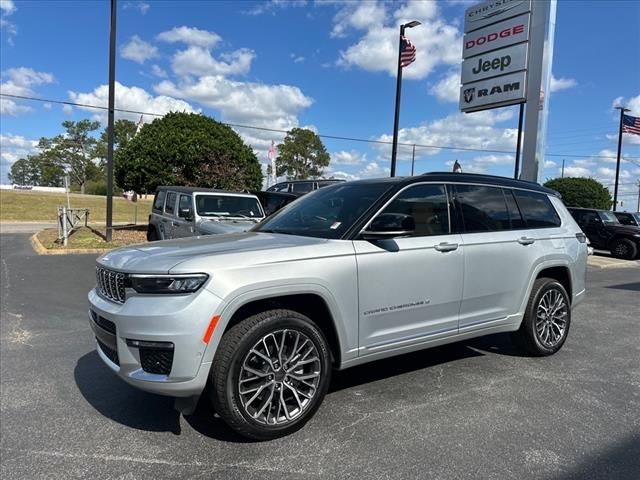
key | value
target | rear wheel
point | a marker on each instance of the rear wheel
(624, 248)
(152, 234)
(270, 374)
(547, 318)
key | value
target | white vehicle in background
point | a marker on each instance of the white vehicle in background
(180, 212)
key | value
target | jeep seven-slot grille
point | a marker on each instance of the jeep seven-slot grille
(111, 284)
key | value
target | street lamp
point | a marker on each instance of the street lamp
(394, 147)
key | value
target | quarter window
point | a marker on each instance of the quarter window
(158, 203)
(170, 206)
(302, 187)
(483, 208)
(536, 209)
(428, 206)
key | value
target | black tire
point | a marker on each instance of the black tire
(152, 234)
(236, 346)
(529, 337)
(624, 248)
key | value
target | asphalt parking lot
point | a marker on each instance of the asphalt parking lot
(472, 410)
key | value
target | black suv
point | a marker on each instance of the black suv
(605, 232)
(301, 187)
(628, 218)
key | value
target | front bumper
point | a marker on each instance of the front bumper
(180, 320)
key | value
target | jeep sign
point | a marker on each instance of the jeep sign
(503, 34)
(493, 11)
(498, 91)
(499, 62)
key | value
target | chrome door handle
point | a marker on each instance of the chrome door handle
(526, 240)
(446, 247)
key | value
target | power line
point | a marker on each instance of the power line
(332, 137)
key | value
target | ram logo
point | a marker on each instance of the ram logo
(468, 94)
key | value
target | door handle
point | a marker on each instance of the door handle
(174, 224)
(446, 247)
(526, 240)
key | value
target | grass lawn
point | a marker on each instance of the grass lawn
(94, 238)
(25, 206)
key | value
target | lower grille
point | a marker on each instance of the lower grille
(107, 325)
(155, 360)
(109, 352)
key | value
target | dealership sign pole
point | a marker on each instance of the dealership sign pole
(505, 63)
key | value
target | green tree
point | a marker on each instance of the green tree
(75, 150)
(581, 192)
(123, 132)
(302, 155)
(36, 170)
(187, 149)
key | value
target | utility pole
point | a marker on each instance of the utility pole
(638, 206)
(562, 175)
(615, 188)
(520, 119)
(413, 158)
(110, 120)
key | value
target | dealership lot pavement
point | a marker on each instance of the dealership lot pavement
(473, 410)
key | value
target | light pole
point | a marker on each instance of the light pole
(394, 146)
(615, 188)
(110, 119)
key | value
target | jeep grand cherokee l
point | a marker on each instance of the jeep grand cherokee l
(350, 273)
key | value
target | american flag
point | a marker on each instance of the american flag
(407, 52)
(457, 168)
(630, 124)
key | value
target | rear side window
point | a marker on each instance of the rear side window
(170, 206)
(536, 209)
(302, 187)
(483, 208)
(158, 203)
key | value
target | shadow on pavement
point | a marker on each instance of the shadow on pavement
(634, 286)
(620, 461)
(499, 343)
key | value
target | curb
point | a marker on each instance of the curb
(41, 250)
(614, 264)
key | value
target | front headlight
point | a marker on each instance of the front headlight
(168, 284)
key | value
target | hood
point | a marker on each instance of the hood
(162, 256)
(215, 227)
(624, 229)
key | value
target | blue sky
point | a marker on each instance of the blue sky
(325, 65)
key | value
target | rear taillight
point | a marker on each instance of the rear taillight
(582, 238)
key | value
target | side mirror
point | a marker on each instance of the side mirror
(389, 225)
(185, 213)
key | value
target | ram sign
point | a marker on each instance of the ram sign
(495, 54)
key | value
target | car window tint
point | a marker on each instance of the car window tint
(537, 210)
(170, 206)
(185, 202)
(158, 203)
(517, 222)
(302, 187)
(483, 208)
(428, 206)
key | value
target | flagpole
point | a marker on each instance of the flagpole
(394, 146)
(615, 188)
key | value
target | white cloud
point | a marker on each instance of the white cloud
(7, 7)
(272, 5)
(550, 164)
(19, 81)
(138, 50)
(130, 98)
(558, 84)
(198, 61)
(577, 172)
(13, 148)
(437, 42)
(158, 71)
(190, 36)
(296, 58)
(141, 6)
(67, 109)
(344, 157)
(448, 88)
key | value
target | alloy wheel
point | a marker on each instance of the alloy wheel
(279, 377)
(551, 318)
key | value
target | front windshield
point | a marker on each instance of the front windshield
(228, 206)
(325, 213)
(608, 217)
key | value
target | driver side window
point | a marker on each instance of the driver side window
(426, 205)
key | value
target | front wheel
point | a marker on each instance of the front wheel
(270, 374)
(547, 318)
(624, 248)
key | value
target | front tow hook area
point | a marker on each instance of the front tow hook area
(186, 405)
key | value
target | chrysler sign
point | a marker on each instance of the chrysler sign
(497, 92)
(493, 11)
(499, 62)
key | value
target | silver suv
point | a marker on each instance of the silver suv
(188, 211)
(348, 274)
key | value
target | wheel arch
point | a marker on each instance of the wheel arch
(560, 273)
